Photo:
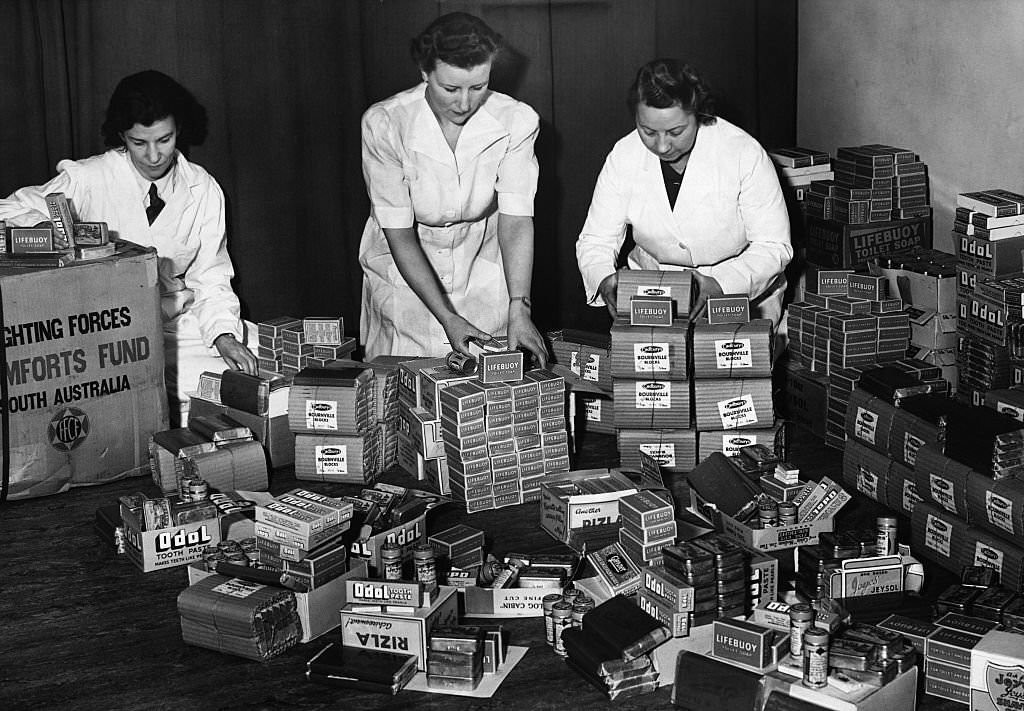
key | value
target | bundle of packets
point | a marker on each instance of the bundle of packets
(675, 450)
(312, 343)
(270, 342)
(153, 514)
(353, 459)
(455, 658)
(239, 617)
(265, 394)
(585, 354)
(232, 467)
(335, 401)
(647, 525)
(611, 648)
(168, 452)
(220, 429)
(300, 525)
(717, 573)
(361, 669)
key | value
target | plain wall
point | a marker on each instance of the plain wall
(939, 77)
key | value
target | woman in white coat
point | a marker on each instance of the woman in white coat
(700, 194)
(447, 252)
(148, 193)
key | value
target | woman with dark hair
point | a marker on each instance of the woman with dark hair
(447, 252)
(149, 193)
(700, 194)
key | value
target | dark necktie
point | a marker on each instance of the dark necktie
(155, 204)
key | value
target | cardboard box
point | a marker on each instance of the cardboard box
(273, 432)
(900, 693)
(407, 535)
(167, 547)
(85, 362)
(563, 510)
(318, 609)
(765, 539)
(807, 400)
(402, 633)
(505, 602)
(837, 245)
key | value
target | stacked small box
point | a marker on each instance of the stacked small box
(326, 335)
(270, 338)
(695, 565)
(800, 168)
(333, 415)
(880, 183)
(732, 386)
(947, 656)
(647, 525)
(588, 356)
(732, 575)
(460, 547)
(455, 658)
(668, 598)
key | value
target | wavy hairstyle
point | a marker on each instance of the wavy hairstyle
(662, 83)
(459, 39)
(147, 97)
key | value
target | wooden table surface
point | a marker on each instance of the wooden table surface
(83, 628)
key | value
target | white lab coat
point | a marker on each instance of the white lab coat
(194, 269)
(729, 221)
(453, 199)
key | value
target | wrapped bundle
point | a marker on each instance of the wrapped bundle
(585, 354)
(347, 459)
(676, 285)
(337, 401)
(652, 404)
(168, 451)
(648, 351)
(233, 467)
(238, 617)
(733, 350)
(735, 403)
(675, 450)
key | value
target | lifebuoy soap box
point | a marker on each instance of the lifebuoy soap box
(84, 356)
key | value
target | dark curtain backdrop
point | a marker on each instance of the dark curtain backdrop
(285, 83)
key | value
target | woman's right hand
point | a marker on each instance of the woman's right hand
(460, 332)
(607, 289)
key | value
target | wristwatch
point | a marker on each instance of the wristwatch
(525, 299)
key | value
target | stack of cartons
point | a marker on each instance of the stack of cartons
(798, 167)
(650, 369)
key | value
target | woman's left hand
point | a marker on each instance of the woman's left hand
(706, 286)
(236, 355)
(522, 333)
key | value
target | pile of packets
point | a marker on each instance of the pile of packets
(288, 344)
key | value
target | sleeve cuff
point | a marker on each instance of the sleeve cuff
(515, 204)
(394, 218)
(219, 328)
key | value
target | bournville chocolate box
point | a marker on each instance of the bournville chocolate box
(85, 371)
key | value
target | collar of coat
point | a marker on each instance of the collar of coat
(481, 131)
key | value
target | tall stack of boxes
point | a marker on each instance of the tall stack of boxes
(588, 356)
(799, 167)
(418, 442)
(501, 430)
(732, 378)
(650, 369)
(333, 414)
(989, 234)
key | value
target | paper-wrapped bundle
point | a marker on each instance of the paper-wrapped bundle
(233, 467)
(352, 460)
(239, 617)
(337, 401)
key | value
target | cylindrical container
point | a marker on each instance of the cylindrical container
(391, 561)
(801, 619)
(460, 363)
(815, 658)
(198, 490)
(768, 512)
(787, 513)
(548, 602)
(424, 566)
(582, 606)
(886, 542)
(570, 594)
(561, 618)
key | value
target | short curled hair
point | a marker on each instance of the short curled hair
(459, 39)
(150, 96)
(662, 83)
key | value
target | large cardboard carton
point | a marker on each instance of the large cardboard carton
(84, 360)
(563, 508)
(835, 245)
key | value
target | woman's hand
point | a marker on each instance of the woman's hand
(236, 355)
(608, 287)
(706, 286)
(460, 332)
(523, 334)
